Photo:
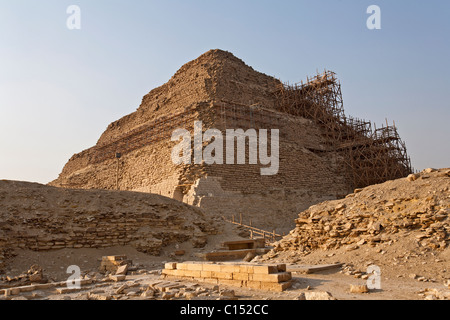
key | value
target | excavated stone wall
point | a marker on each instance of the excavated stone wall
(44, 218)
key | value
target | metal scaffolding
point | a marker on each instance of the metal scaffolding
(368, 155)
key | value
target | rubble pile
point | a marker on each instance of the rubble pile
(417, 206)
(34, 275)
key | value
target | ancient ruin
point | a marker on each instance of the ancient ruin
(323, 154)
(44, 218)
(116, 212)
(399, 228)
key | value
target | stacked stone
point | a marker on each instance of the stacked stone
(93, 219)
(272, 277)
(105, 232)
(112, 263)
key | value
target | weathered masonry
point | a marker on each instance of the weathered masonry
(323, 153)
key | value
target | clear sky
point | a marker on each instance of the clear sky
(60, 88)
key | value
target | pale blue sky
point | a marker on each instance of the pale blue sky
(60, 88)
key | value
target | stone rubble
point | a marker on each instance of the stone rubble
(34, 275)
(376, 215)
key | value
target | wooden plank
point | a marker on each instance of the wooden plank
(308, 269)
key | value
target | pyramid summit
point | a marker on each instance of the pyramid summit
(215, 75)
(323, 154)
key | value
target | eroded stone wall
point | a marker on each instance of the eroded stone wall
(42, 218)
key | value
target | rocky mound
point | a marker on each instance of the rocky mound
(416, 207)
(44, 218)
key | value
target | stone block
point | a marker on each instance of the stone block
(234, 283)
(222, 275)
(14, 291)
(170, 266)
(253, 285)
(273, 277)
(277, 287)
(26, 288)
(114, 258)
(206, 274)
(211, 267)
(182, 266)
(191, 273)
(241, 276)
(194, 266)
(230, 268)
(246, 269)
(359, 289)
(179, 252)
(171, 272)
(122, 270)
(43, 286)
(265, 269)
(67, 290)
(117, 278)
